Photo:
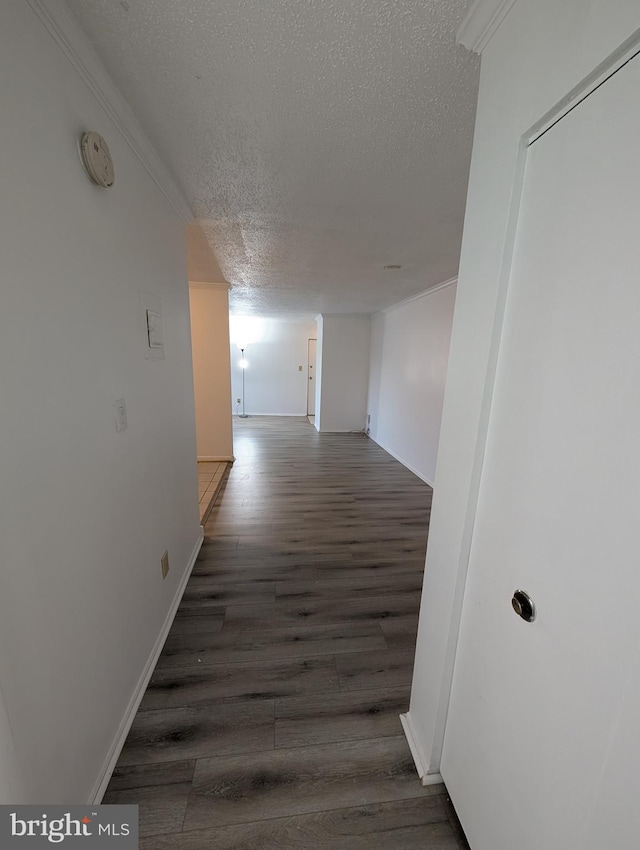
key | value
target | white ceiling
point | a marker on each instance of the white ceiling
(316, 140)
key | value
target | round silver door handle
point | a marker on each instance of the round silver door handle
(524, 606)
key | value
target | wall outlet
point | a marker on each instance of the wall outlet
(238, 400)
(164, 563)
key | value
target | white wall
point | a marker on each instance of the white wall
(274, 383)
(319, 346)
(85, 512)
(11, 786)
(407, 374)
(211, 369)
(342, 372)
(516, 90)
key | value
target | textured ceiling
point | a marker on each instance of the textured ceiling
(316, 140)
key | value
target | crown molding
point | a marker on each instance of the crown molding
(445, 283)
(344, 315)
(203, 284)
(481, 23)
(73, 42)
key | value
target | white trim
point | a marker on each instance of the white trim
(481, 23)
(401, 460)
(418, 756)
(201, 284)
(121, 735)
(629, 49)
(357, 431)
(342, 316)
(216, 459)
(478, 460)
(253, 415)
(80, 52)
(451, 282)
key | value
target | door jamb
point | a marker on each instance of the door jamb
(309, 341)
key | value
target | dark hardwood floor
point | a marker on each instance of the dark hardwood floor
(271, 720)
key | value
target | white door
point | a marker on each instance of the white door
(542, 745)
(311, 378)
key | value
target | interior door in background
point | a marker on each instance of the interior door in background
(311, 376)
(542, 743)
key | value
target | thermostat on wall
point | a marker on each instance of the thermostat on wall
(97, 159)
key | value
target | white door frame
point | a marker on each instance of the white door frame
(310, 385)
(617, 60)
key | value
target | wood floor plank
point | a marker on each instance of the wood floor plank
(398, 825)
(161, 807)
(327, 611)
(162, 773)
(205, 619)
(308, 720)
(390, 561)
(397, 549)
(363, 670)
(179, 686)
(353, 534)
(202, 592)
(198, 730)
(330, 588)
(190, 649)
(401, 632)
(282, 568)
(234, 789)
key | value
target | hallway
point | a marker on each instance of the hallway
(272, 717)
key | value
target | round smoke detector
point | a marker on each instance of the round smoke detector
(97, 159)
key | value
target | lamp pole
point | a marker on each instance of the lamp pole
(243, 415)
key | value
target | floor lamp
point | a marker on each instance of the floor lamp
(243, 366)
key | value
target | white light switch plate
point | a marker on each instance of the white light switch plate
(120, 413)
(153, 326)
(155, 330)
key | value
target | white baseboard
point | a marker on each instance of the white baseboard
(402, 461)
(357, 431)
(114, 751)
(256, 415)
(418, 756)
(216, 459)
